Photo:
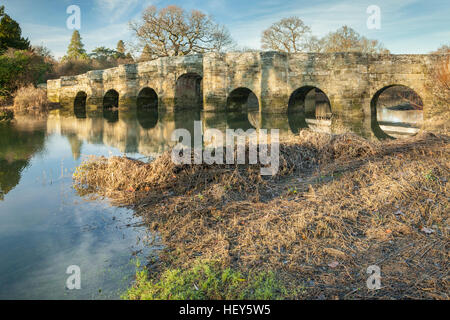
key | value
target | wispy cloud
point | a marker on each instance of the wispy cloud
(407, 26)
(118, 10)
(402, 21)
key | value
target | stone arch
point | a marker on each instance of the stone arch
(111, 105)
(79, 105)
(189, 91)
(242, 109)
(147, 108)
(308, 102)
(242, 99)
(396, 110)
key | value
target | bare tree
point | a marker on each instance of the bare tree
(346, 39)
(173, 32)
(287, 35)
(444, 49)
(221, 39)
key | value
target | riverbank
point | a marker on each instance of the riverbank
(6, 114)
(338, 205)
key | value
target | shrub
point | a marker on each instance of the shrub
(30, 98)
(71, 67)
(6, 114)
(20, 68)
(439, 85)
(442, 75)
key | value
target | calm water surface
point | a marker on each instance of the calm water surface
(46, 227)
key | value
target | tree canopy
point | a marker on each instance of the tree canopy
(120, 50)
(291, 35)
(103, 54)
(287, 35)
(346, 39)
(11, 33)
(171, 31)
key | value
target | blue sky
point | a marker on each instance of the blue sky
(407, 26)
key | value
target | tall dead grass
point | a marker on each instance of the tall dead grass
(30, 98)
(338, 205)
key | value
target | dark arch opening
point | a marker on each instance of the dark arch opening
(242, 103)
(309, 107)
(79, 105)
(189, 91)
(397, 111)
(111, 106)
(242, 99)
(147, 108)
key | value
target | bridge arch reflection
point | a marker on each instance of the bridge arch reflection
(147, 108)
(310, 107)
(396, 111)
(111, 106)
(79, 105)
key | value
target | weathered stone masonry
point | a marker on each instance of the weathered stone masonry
(350, 80)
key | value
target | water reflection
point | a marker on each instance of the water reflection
(309, 107)
(37, 159)
(16, 149)
(147, 131)
(80, 105)
(45, 227)
(399, 123)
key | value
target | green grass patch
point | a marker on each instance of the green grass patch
(206, 280)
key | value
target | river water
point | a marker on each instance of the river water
(45, 227)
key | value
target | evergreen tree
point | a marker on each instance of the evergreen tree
(120, 50)
(146, 54)
(11, 33)
(103, 54)
(121, 47)
(76, 47)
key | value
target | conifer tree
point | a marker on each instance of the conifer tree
(76, 47)
(11, 33)
(146, 54)
(120, 50)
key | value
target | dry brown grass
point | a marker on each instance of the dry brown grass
(30, 98)
(439, 85)
(338, 205)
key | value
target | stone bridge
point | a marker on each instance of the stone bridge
(277, 81)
